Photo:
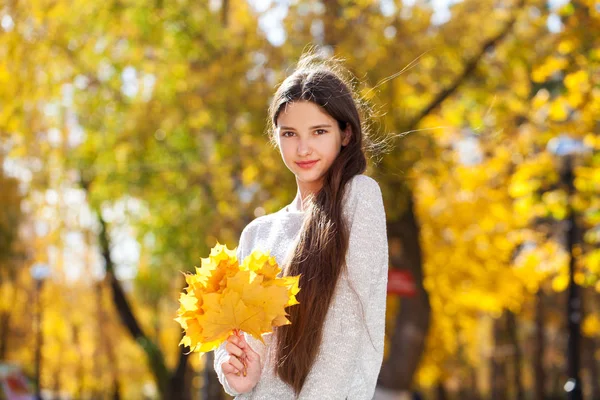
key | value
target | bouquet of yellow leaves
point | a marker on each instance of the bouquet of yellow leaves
(224, 298)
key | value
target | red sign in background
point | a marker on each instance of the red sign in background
(401, 283)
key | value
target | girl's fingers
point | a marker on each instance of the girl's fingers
(245, 349)
(236, 363)
(238, 341)
(234, 349)
(232, 338)
(243, 344)
(228, 368)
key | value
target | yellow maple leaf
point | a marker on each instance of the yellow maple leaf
(289, 282)
(221, 263)
(224, 296)
(261, 263)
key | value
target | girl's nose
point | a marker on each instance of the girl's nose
(304, 148)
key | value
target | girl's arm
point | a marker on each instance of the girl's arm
(351, 353)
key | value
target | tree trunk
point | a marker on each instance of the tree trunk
(592, 364)
(105, 343)
(179, 386)
(511, 326)
(5, 317)
(556, 389)
(169, 385)
(153, 354)
(100, 336)
(474, 385)
(412, 322)
(80, 372)
(225, 13)
(212, 387)
(4, 321)
(468, 389)
(499, 380)
(538, 352)
(56, 385)
(440, 391)
(116, 390)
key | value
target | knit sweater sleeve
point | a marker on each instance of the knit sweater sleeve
(351, 351)
(222, 355)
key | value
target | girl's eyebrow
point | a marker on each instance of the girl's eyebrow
(312, 127)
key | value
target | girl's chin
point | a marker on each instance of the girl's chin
(311, 175)
(308, 177)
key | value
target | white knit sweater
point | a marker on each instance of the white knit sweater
(351, 352)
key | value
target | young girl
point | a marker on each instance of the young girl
(334, 235)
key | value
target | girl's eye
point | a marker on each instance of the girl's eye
(321, 131)
(285, 134)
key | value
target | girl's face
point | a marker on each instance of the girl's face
(309, 140)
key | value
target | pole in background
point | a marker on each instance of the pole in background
(39, 273)
(573, 384)
(567, 148)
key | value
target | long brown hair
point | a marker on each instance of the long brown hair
(320, 252)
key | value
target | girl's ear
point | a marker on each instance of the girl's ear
(346, 135)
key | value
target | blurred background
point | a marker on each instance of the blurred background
(132, 138)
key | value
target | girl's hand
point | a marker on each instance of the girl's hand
(242, 358)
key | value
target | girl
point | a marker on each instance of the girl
(334, 235)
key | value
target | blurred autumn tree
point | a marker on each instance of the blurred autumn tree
(10, 253)
(147, 120)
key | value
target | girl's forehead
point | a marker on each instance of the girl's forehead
(302, 113)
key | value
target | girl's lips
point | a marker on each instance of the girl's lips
(306, 164)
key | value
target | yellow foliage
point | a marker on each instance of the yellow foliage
(592, 140)
(565, 46)
(534, 265)
(551, 66)
(578, 81)
(591, 325)
(541, 98)
(559, 109)
(249, 174)
(560, 282)
(532, 175)
(223, 296)
(468, 219)
(592, 261)
(556, 203)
